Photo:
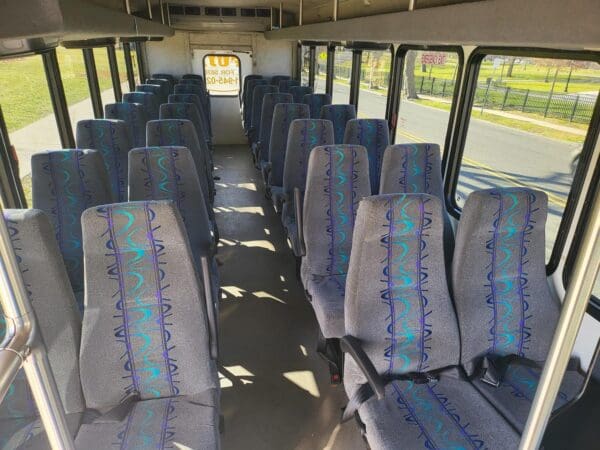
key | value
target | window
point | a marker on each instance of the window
(375, 71)
(528, 123)
(104, 78)
(27, 111)
(320, 69)
(305, 65)
(222, 75)
(428, 88)
(77, 92)
(122, 68)
(342, 70)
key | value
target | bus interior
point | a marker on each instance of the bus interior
(306, 224)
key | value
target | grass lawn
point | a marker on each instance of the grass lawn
(23, 91)
(512, 123)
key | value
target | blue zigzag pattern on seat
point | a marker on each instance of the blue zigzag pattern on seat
(150, 425)
(142, 309)
(507, 277)
(406, 278)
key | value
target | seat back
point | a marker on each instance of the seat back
(192, 76)
(412, 169)
(150, 102)
(283, 115)
(182, 133)
(247, 100)
(339, 116)
(304, 135)
(299, 92)
(134, 115)
(397, 302)
(266, 122)
(257, 103)
(52, 300)
(165, 85)
(501, 292)
(64, 184)
(285, 85)
(155, 89)
(275, 79)
(337, 179)
(112, 139)
(164, 76)
(193, 81)
(315, 102)
(190, 88)
(169, 173)
(374, 135)
(187, 111)
(145, 326)
(193, 98)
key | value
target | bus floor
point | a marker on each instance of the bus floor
(275, 388)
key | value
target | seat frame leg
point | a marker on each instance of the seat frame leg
(330, 350)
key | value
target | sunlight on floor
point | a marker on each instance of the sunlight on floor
(240, 373)
(259, 243)
(263, 294)
(249, 186)
(240, 209)
(305, 380)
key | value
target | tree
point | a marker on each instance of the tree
(411, 89)
(511, 66)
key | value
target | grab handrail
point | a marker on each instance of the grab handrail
(23, 346)
(579, 290)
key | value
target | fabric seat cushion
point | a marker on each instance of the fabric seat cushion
(514, 396)
(447, 414)
(29, 433)
(328, 302)
(190, 422)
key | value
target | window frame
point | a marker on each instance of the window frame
(463, 116)
(239, 74)
(399, 60)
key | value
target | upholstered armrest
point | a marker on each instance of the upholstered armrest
(352, 346)
(298, 204)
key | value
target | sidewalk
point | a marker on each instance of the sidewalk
(42, 134)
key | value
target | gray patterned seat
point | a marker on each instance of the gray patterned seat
(155, 89)
(315, 102)
(59, 323)
(165, 76)
(112, 139)
(503, 301)
(285, 85)
(256, 114)
(150, 102)
(200, 91)
(261, 148)
(193, 98)
(304, 135)
(189, 111)
(134, 115)
(339, 116)
(145, 334)
(247, 99)
(169, 173)
(375, 136)
(299, 92)
(283, 116)
(417, 169)
(398, 310)
(64, 184)
(276, 79)
(164, 84)
(182, 133)
(337, 179)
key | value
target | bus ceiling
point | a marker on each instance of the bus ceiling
(36, 25)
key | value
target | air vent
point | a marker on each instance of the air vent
(212, 11)
(248, 12)
(176, 10)
(263, 12)
(228, 12)
(193, 11)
